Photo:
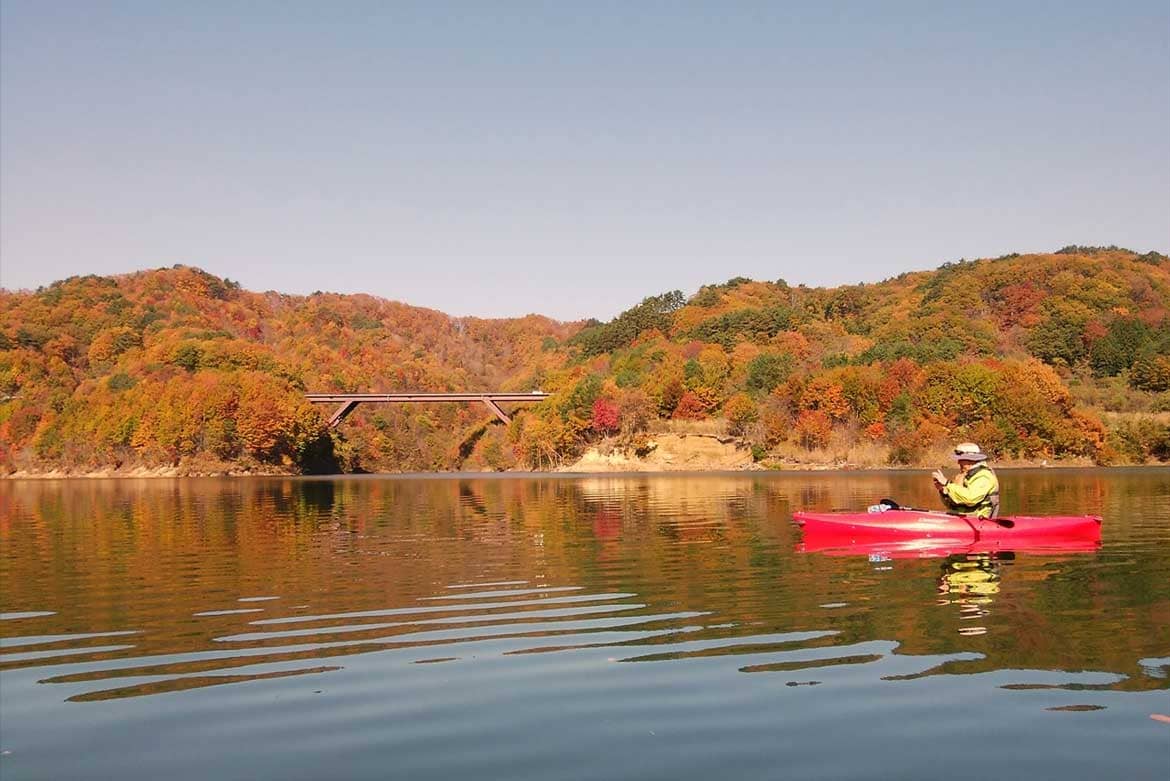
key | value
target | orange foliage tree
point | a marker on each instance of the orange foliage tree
(812, 428)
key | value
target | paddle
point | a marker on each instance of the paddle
(890, 504)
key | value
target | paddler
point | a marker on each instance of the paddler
(975, 490)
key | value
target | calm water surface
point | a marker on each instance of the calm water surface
(570, 628)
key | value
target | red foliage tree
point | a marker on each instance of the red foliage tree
(690, 407)
(1017, 304)
(606, 416)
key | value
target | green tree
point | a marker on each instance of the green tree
(1122, 343)
(1059, 337)
(767, 370)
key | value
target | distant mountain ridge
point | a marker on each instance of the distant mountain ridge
(1057, 356)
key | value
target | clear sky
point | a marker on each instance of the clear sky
(570, 158)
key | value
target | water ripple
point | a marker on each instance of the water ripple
(562, 628)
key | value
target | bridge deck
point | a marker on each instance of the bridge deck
(491, 400)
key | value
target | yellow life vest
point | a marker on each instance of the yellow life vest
(984, 502)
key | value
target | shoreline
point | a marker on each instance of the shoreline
(178, 473)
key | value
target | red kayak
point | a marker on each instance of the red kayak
(923, 532)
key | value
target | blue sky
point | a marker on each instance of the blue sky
(571, 158)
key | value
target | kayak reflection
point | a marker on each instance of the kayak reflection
(932, 548)
(970, 572)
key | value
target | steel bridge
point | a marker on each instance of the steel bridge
(349, 401)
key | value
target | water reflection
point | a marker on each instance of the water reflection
(122, 590)
(971, 582)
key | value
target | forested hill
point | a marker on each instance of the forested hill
(1061, 356)
(176, 366)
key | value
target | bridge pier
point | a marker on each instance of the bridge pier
(342, 413)
(499, 412)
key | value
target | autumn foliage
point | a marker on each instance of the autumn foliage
(1029, 355)
(178, 367)
(1054, 356)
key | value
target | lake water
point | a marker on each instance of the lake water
(575, 627)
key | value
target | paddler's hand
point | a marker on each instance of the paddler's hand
(939, 478)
